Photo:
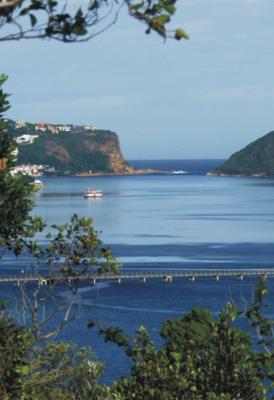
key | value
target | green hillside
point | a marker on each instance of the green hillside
(80, 150)
(255, 159)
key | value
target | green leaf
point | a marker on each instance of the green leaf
(170, 8)
(162, 19)
(79, 30)
(181, 34)
(137, 6)
(79, 14)
(24, 369)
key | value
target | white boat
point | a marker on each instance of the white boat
(91, 193)
(179, 172)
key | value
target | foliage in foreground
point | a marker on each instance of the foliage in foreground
(53, 371)
(15, 204)
(202, 358)
(82, 21)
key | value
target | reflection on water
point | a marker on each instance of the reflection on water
(165, 209)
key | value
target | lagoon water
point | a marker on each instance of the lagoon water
(164, 222)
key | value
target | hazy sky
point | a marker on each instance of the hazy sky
(204, 98)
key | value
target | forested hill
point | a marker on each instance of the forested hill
(69, 149)
(255, 159)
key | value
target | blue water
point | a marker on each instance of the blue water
(197, 167)
(163, 222)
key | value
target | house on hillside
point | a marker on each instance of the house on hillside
(20, 124)
(53, 129)
(41, 127)
(32, 169)
(25, 139)
(64, 128)
(89, 128)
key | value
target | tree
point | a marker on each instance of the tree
(54, 371)
(62, 371)
(202, 357)
(56, 19)
(14, 345)
(15, 203)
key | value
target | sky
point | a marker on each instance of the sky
(203, 98)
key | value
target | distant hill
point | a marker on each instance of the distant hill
(255, 159)
(69, 149)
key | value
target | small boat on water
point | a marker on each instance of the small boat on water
(91, 193)
(179, 172)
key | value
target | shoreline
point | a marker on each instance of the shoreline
(135, 172)
(220, 174)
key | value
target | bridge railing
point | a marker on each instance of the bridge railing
(142, 275)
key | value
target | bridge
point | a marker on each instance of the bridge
(142, 276)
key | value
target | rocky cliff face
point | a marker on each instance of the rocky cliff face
(111, 148)
(79, 150)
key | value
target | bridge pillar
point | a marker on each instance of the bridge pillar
(119, 280)
(192, 278)
(93, 281)
(217, 278)
(167, 279)
(143, 279)
(241, 277)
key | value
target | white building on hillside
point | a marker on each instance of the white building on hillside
(26, 139)
(32, 169)
(20, 124)
(90, 128)
(64, 128)
(41, 127)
